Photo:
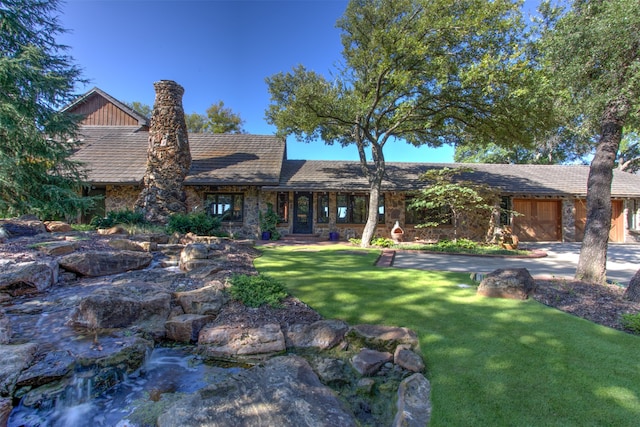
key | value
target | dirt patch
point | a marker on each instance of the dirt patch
(601, 304)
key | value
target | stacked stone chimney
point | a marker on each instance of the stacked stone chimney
(168, 156)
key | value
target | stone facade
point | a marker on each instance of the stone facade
(168, 158)
(121, 197)
(568, 220)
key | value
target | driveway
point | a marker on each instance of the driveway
(623, 260)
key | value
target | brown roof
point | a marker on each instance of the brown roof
(541, 180)
(118, 155)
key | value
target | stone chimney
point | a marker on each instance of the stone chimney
(168, 156)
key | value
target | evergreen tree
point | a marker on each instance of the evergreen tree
(36, 140)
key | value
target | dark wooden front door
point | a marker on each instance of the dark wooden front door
(302, 213)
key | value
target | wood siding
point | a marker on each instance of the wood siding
(539, 220)
(101, 112)
(616, 234)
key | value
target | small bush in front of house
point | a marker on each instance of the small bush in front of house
(199, 223)
(382, 242)
(631, 322)
(121, 217)
(254, 291)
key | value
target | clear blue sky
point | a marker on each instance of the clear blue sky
(217, 50)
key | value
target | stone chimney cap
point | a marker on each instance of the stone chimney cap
(168, 84)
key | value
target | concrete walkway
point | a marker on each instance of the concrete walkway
(623, 260)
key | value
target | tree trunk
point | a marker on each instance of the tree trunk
(592, 264)
(633, 290)
(372, 216)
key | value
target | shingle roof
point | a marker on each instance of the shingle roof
(118, 155)
(542, 180)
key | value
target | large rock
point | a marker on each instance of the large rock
(57, 227)
(53, 366)
(632, 293)
(5, 328)
(28, 277)
(104, 263)
(5, 410)
(131, 245)
(206, 300)
(139, 304)
(282, 392)
(322, 335)
(367, 362)
(186, 327)
(237, 343)
(514, 283)
(58, 248)
(21, 227)
(408, 360)
(14, 358)
(198, 255)
(414, 402)
(383, 338)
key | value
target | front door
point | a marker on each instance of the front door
(302, 213)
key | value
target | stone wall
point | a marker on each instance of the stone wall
(568, 220)
(121, 197)
(169, 158)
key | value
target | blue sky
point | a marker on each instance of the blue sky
(217, 50)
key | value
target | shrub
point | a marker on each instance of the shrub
(382, 242)
(254, 291)
(125, 217)
(631, 322)
(199, 223)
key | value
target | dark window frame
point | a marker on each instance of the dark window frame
(234, 213)
(354, 208)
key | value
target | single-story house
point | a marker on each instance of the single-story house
(236, 176)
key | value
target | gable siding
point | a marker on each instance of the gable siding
(101, 112)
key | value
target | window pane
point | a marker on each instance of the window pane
(381, 209)
(323, 208)
(283, 207)
(228, 207)
(359, 209)
(342, 208)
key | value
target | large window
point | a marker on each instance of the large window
(322, 215)
(422, 216)
(505, 210)
(283, 207)
(633, 214)
(227, 207)
(353, 208)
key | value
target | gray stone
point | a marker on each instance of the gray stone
(130, 245)
(104, 263)
(53, 366)
(5, 328)
(282, 392)
(332, 371)
(323, 334)
(58, 248)
(186, 327)
(121, 306)
(408, 360)
(5, 410)
(383, 338)
(414, 402)
(15, 358)
(514, 283)
(194, 255)
(28, 277)
(365, 385)
(21, 227)
(237, 343)
(367, 362)
(207, 300)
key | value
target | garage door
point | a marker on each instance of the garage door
(539, 220)
(616, 234)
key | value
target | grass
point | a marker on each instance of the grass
(491, 362)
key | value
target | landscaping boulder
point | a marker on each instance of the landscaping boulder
(130, 245)
(186, 327)
(282, 392)
(104, 263)
(367, 362)
(21, 227)
(414, 402)
(5, 328)
(57, 227)
(14, 358)
(139, 304)
(208, 300)
(28, 277)
(632, 293)
(514, 283)
(6, 406)
(383, 338)
(408, 360)
(237, 343)
(322, 335)
(58, 248)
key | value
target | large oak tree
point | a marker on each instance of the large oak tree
(428, 72)
(594, 54)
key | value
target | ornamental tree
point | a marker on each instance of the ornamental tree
(423, 72)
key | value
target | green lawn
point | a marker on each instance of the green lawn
(491, 362)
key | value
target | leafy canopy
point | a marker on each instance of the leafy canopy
(36, 139)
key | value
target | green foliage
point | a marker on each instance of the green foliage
(121, 217)
(254, 291)
(631, 322)
(199, 223)
(269, 222)
(37, 78)
(382, 242)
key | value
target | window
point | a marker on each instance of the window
(227, 207)
(633, 214)
(505, 210)
(283, 207)
(440, 215)
(322, 216)
(353, 208)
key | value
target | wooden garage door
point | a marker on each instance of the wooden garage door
(539, 220)
(616, 234)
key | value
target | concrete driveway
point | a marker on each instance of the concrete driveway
(623, 260)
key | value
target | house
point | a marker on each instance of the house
(238, 176)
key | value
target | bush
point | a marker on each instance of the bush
(382, 242)
(254, 291)
(631, 322)
(199, 223)
(124, 217)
